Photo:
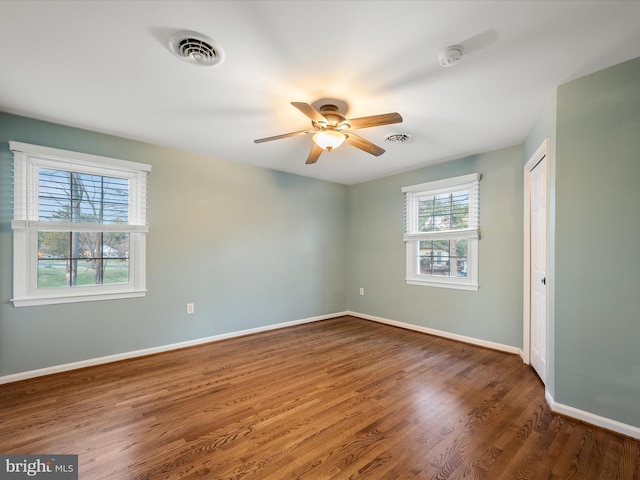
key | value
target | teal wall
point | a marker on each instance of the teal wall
(597, 276)
(376, 253)
(251, 247)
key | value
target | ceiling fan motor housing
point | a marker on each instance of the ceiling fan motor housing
(334, 118)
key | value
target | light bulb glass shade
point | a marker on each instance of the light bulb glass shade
(329, 139)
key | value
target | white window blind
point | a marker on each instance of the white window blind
(443, 209)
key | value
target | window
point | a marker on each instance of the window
(442, 232)
(79, 226)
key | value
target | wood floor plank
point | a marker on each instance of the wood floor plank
(339, 399)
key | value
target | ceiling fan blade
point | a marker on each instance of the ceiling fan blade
(309, 111)
(375, 120)
(362, 144)
(284, 135)
(314, 154)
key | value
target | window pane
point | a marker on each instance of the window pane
(446, 258)
(52, 273)
(67, 259)
(443, 212)
(79, 197)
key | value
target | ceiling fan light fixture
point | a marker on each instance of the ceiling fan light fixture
(330, 130)
(329, 139)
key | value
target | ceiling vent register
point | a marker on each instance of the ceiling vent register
(397, 138)
(196, 49)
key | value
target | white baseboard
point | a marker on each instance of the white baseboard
(439, 333)
(16, 377)
(592, 418)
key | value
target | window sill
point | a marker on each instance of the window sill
(57, 299)
(443, 284)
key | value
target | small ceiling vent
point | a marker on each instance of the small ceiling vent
(397, 138)
(196, 49)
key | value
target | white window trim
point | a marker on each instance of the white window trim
(25, 224)
(472, 234)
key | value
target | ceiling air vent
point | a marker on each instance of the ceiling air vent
(397, 138)
(196, 49)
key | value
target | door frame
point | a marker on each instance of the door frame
(540, 153)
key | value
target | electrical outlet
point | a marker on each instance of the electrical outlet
(191, 308)
(361, 291)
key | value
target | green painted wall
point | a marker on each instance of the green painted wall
(376, 253)
(250, 247)
(597, 288)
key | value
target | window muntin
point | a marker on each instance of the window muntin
(79, 226)
(442, 231)
(70, 259)
(447, 258)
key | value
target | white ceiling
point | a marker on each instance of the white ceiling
(105, 66)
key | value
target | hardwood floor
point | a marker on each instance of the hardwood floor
(338, 399)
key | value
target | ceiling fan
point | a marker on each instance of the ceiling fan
(331, 129)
